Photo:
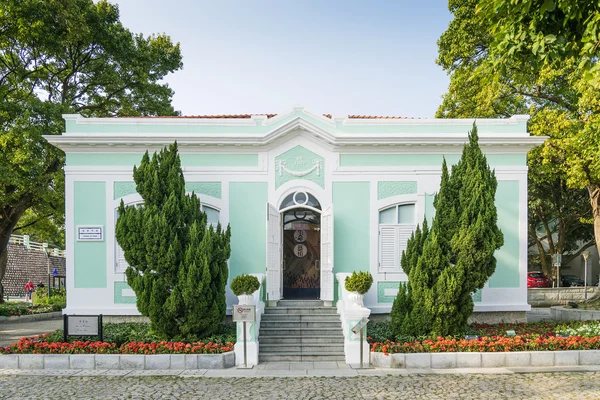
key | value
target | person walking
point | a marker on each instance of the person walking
(28, 290)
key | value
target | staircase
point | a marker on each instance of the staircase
(301, 330)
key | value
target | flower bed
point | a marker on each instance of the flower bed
(491, 344)
(19, 309)
(36, 345)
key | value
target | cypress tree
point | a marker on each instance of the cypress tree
(457, 256)
(177, 266)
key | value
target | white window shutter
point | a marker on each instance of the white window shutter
(121, 263)
(327, 263)
(404, 232)
(389, 260)
(274, 275)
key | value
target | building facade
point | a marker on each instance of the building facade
(306, 195)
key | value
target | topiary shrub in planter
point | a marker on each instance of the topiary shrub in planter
(358, 284)
(243, 286)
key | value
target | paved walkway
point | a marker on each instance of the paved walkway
(10, 332)
(365, 384)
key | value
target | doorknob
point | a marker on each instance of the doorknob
(317, 266)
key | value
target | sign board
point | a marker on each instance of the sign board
(300, 250)
(299, 236)
(361, 324)
(244, 313)
(90, 233)
(82, 325)
(557, 259)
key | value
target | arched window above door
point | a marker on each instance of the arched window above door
(299, 199)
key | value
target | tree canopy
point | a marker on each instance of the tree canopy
(488, 80)
(59, 57)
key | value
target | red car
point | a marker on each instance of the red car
(537, 279)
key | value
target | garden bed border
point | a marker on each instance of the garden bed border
(31, 317)
(561, 313)
(118, 361)
(450, 360)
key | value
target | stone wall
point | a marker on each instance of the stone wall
(27, 264)
(547, 297)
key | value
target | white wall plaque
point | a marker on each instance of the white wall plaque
(90, 233)
(81, 325)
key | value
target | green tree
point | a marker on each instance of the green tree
(177, 266)
(59, 57)
(488, 83)
(544, 32)
(456, 257)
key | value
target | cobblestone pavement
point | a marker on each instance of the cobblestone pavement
(563, 385)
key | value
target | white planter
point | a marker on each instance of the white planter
(356, 299)
(245, 299)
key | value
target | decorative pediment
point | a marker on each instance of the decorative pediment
(299, 163)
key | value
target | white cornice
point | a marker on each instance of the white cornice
(417, 143)
(513, 120)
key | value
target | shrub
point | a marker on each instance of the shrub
(359, 282)
(177, 263)
(244, 284)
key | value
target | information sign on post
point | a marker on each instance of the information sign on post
(244, 313)
(359, 328)
(82, 325)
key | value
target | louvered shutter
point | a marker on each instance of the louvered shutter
(388, 248)
(327, 279)
(274, 276)
(404, 232)
(120, 263)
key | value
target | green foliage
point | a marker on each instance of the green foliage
(126, 332)
(65, 57)
(57, 298)
(488, 50)
(244, 284)
(177, 265)
(14, 309)
(456, 257)
(359, 282)
(540, 32)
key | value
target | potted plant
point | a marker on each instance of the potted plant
(358, 284)
(243, 286)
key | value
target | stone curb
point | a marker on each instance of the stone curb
(514, 359)
(118, 361)
(31, 317)
(560, 313)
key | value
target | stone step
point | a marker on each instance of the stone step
(302, 324)
(300, 340)
(300, 310)
(300, 318)
(298, 331)
(300, 303)
(299, 357)
(271, 348)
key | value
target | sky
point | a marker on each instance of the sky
(266, 56)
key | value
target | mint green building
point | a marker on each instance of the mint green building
(307, 196)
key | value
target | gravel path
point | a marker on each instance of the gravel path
(564, 385)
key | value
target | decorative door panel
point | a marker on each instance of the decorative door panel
(327, 254)
(273, 253)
